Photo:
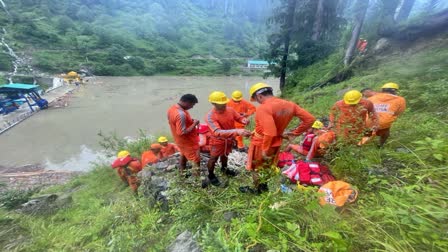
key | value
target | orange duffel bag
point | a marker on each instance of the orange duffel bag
(337, 193)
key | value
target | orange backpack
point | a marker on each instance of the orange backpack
(337, 193)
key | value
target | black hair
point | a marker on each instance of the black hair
(268, 91)
(389, 90)
(189, 98)
(365, 89)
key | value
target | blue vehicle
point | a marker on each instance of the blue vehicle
(16, 94)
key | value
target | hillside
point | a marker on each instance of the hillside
(133, 37)
(401, 205)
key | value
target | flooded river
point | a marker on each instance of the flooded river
(66, 138)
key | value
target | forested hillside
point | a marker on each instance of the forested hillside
(125, 37)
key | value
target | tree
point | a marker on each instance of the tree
(226, 66)
(137, 63)
(279, 42)
(361, 9)
(386, 12)
(288, 28)
(85, 14)
(116, 55)
(405, 10)
(317, 27)
(64, 24)
(305, 31)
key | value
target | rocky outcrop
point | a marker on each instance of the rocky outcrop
(46, 204)
(184, 243)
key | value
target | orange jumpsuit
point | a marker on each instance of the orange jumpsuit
(180, 120)
(271, 119)
(245, 109)
(222, 126)
(387, 107)
(127, 169)
(350, 121)
(168, 150)
(148, 157)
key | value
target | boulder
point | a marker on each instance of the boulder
(184, 243)
(381, 45)
(46, 204)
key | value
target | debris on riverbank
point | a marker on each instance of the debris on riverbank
(31, 177)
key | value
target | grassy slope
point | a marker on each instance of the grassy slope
(401, 207)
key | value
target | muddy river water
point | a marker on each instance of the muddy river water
(66, 138)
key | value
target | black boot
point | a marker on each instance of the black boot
(229, 172)
(263, 188)
(214, 180)
(248, 189)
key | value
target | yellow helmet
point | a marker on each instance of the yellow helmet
(123, 154)
(317, 125)
(162, 139)
(352, 97)
(390, 85)
(257, 87)
(72, 74)
(237, 95)
(218, 97)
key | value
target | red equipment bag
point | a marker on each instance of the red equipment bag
(285, 158)
(313, 173)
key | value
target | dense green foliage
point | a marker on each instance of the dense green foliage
(401, 206)
(135, 37)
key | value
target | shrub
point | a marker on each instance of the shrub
(11, 199)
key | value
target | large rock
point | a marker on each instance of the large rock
(184, 243)
(46, 204)
(381, 45)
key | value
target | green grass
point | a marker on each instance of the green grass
(402, 188)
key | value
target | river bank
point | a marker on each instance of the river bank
(30, 177)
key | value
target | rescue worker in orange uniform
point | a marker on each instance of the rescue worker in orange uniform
(184, 131)
(127, 168)
(349, 117)
(152, 156)
(221, 122)
(271, 119)
(315, 142)
(168, 149)
(244, 108)
(388, 106)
